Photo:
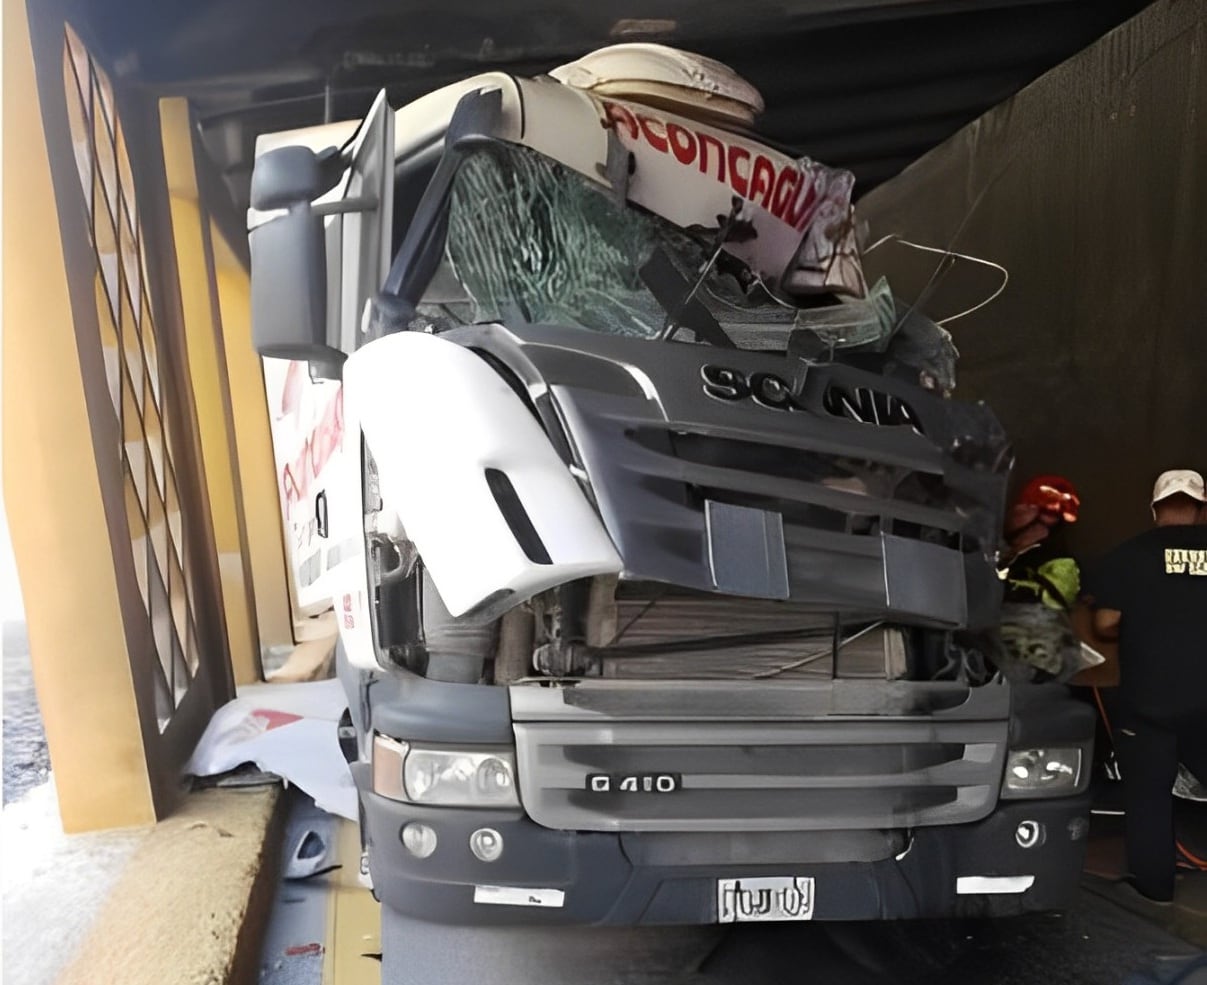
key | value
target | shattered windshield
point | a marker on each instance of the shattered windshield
(532, 240)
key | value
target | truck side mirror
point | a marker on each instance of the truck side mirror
(288, 259)
(285, 177)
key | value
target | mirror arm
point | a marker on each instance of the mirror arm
(364, 203)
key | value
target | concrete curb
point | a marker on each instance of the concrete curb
(191, 904)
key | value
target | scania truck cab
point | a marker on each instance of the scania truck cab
(658, 545)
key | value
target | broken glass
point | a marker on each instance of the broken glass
(854, 322)
(533, 242)
(900, 341)
(530, 240)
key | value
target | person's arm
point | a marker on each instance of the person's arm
(1025, 528)
(1106, 623)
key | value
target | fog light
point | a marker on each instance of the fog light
(486, 844)
(1029, 834)
(419, 839)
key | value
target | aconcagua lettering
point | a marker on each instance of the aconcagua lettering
(710, 144)
(618, 116)
(762, 182)
(655, 138)
(786, 192)
(738, 177)
(683, 143)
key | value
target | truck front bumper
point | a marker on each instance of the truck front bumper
(631, 879)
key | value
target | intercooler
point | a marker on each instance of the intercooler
(719, 638)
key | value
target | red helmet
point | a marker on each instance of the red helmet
(1054, 495)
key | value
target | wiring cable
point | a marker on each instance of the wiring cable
(942, 268)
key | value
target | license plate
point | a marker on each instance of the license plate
(767, 898)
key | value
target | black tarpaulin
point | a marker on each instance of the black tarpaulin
(1090, 186)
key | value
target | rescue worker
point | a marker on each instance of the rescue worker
(1042, 583)
(1043, 504)
(1151, 594)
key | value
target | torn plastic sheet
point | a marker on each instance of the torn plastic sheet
(286, 729)
(828, 257)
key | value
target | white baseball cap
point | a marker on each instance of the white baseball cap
(1179, 481)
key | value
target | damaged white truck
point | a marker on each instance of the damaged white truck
(657, 543)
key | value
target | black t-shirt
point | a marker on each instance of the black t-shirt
(1158, 580)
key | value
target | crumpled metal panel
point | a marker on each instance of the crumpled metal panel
(863, 491)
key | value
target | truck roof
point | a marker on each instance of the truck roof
(690, 156)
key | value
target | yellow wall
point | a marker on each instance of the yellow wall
(52, 489)
(207, 373)
(253, 440)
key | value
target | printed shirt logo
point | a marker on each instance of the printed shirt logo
(1183, 561)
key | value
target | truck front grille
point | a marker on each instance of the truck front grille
(762, 776)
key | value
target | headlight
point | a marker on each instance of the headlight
(444, 777)
(460, 779)
(1042, 772)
